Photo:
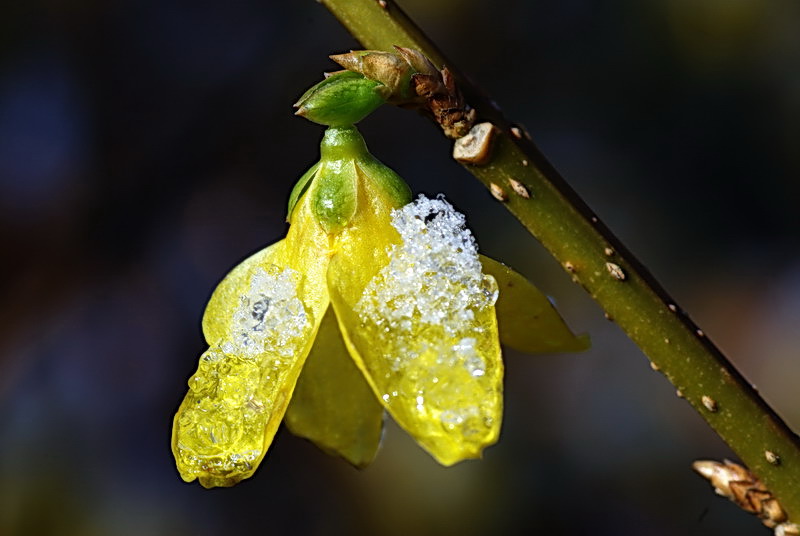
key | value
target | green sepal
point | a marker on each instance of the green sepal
(333, 199)
(299, 189)
(390, 182)
(342, 99)
(346, 143)
(527, 320)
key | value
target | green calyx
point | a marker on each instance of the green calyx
(342, 99)
(332, 183)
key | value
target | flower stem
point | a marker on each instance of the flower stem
(552, 212)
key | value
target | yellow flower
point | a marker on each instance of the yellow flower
(369, 303)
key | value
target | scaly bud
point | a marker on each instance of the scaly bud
(738, 484)
(387, 68)
(417, 60)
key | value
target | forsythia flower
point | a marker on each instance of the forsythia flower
(369, 303)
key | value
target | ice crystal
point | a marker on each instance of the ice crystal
(428, 309)
(270, 316)
(231, 394)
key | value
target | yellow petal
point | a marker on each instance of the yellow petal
(528, 321)
(260, 325)
(333, 405)
(422, 325)
(216, 319)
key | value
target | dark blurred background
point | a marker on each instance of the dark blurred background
(148, 146)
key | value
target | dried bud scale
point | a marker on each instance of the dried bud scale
(738, 484)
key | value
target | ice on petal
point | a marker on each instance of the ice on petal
(221, 425)
(428, 311)
(270, 316)
(433, 278)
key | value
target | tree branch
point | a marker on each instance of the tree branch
(554, 214)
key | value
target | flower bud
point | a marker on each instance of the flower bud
(342, 99)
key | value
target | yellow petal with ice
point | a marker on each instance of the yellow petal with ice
(217, 318)
(418, 318)
(333, 405)
(260, 324)
(528, 321)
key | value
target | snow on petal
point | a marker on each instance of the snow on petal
(427, 334)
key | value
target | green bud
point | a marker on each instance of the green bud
(342, 99)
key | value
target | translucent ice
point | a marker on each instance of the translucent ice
(241, 381)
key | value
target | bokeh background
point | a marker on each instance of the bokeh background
(147, 146)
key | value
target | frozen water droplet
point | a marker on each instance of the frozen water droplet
(451, 418)
(490, 290)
